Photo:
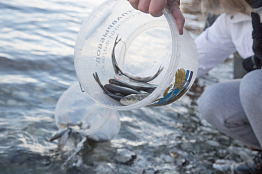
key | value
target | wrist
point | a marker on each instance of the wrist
(251, 63)
(256, 61)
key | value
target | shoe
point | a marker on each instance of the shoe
(249, 167)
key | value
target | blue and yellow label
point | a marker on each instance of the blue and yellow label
(176, 90)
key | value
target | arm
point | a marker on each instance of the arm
(254, 62)
(155, 8)
(214, 45)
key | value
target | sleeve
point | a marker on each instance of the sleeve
(214, 45)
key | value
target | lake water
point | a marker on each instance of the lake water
(36, 66)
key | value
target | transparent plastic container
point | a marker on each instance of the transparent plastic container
(80, 112)
(147, 43)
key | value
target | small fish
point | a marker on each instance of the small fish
(115, 66)
(119, 94)
(58, 134)
(71, 125)
(137, 88)
(119, 89)
(133, 98)
(118, 71)
(116, 97)
(144, 79)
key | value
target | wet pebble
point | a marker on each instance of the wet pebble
(178, 159)
(142, 162)
(222, 152)
(195, 119)
(166, 158)
(186, 146)
(207, 129)
(149, 171)
(222, 164)
(213, 143)
(104, 168)
(224, 140)
(244, 155)
(124, 155)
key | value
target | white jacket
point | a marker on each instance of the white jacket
(228, 34)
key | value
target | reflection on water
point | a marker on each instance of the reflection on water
(36, 67)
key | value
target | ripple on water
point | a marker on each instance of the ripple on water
(36, 67)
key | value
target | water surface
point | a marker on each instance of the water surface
(36, 66)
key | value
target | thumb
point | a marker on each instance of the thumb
(177, 14)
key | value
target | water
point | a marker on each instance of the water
(36, 66)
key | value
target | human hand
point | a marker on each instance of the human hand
(155, 8)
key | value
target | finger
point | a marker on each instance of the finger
(134, 3)
(156, 7)
(178, 15)
(257, 30)
(143, 5)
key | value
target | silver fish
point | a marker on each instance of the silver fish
(58, 134)
(144, 79)
(115, 66)
(120, 89)
(71, 125)
(116, 97)
(118, 71)
(67, 128)
(133, 98)
(137, 88)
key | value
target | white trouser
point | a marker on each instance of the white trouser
(235, 108)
